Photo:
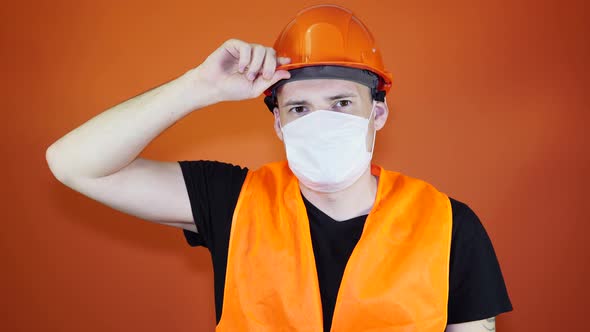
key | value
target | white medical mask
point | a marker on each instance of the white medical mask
(327, 150)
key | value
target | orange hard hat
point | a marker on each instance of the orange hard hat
(330, 36)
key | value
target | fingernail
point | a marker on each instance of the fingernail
(251, 76)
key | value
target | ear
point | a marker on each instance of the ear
(277, 123)
(381, 113)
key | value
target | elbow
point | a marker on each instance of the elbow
(52, 160)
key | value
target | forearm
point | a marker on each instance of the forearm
(112, 139)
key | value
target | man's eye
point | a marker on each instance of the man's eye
(297, 109)
(343, 103)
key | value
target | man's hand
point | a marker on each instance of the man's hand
(238, 70)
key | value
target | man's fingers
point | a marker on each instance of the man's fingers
(280, 75)
(245, 56)
(250, 68)
(258, 53)
(261, 84)
(270, 64)
(240, 50)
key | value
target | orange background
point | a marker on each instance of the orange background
(489, 103)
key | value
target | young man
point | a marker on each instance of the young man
(324, 241)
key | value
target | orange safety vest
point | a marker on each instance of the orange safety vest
(396, 278)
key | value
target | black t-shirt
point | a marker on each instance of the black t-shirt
(476, 285)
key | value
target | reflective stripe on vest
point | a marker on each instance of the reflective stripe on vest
(396, 278)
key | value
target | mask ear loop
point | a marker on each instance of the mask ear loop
(281, 129)
(374, 131)
(279, 119)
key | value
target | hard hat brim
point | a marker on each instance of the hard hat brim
(384, 84)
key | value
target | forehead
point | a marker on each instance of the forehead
(305, 89)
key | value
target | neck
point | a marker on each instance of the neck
(354, 201)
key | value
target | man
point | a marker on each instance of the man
(325, 241)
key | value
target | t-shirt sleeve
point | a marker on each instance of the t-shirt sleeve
(213, 188)
(476, 285)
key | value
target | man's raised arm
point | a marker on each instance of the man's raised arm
(100, 158)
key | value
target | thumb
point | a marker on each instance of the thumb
(261, 84)
(280, 75)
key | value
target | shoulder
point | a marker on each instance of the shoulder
(466, 224)
(461, 210)
(277, 168)
(399, 182)
(270, 174)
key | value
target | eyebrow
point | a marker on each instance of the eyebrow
(305, 102)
